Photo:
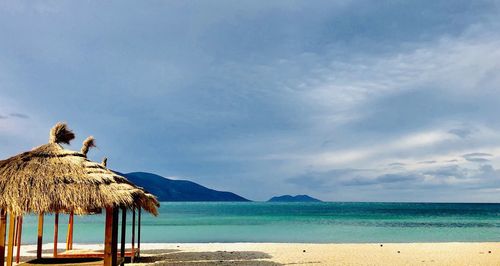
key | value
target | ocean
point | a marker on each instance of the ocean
(325, 222)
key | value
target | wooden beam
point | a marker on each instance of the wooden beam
(19, 234)
(139, 232)
(40, 237)
(3, 228)
(108, 235)
(69, 236)
(10, 249)
(124, 227)
(56, 232)
(114, 239)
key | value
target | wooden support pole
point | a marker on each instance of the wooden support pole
(114, 240)
(72, 230)
(40, 237)
(3, 228)
(69, 236)
(15, 233)
(133, 235)
(124, 228)
(108, 235)
(56, 232)
(139, 232)
(19, 234)
(10, 249)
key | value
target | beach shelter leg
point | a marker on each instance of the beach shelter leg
(139, 232)
(56, 232)
(114, 241)
(40, 237)
(19, 234)
(10, 250)
(133, 235)
(16, 231)
(69, 236)
(124, 227)
(3, 228)
(108, 235)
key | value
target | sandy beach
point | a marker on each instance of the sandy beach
(310, 254)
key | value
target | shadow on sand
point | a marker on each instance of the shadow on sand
(175, 258)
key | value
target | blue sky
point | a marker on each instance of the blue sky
(342, 100)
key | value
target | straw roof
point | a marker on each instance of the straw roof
(51, 179)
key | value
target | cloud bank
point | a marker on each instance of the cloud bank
(343, 100)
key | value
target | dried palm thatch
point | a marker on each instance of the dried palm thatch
(88, 143)
(152, 198)
(51, 179)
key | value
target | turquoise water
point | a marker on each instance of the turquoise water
(297, 222)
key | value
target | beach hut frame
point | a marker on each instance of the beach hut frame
(110, 254)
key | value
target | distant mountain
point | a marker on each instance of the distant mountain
(298, 198)
(179, 190)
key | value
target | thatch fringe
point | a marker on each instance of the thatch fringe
(104, 162)
(60, 133)
(88, 143)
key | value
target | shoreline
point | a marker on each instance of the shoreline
(443, 253)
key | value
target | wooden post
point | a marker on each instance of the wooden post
(10, 249)
(133, 235)
(19, 234)
(69, 236)
(40, 236)
(72, 230)
(139, 232)
(124, 227)
(3, 227)
(16, 233)
(114, 239)
(108, 235)
(56, 232)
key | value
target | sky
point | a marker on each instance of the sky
(341, 100)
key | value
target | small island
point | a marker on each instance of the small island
(297, 198)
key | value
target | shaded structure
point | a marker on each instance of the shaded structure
(52, 180)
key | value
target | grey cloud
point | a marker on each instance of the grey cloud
(397, 164)
(475, 154)
(447, 171)
(323, 181)
(336, 178)
(384, 180)
(3, 117)
(461, 132)
(19, 115)
(486, 169)
(441, 178)
(309, 182)
(477, 160)
(428, 162)
(477, 157)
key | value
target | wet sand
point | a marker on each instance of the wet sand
(312, 254)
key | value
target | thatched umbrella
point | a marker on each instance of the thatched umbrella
(51, 179)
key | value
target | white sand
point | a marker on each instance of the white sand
(338, 254)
